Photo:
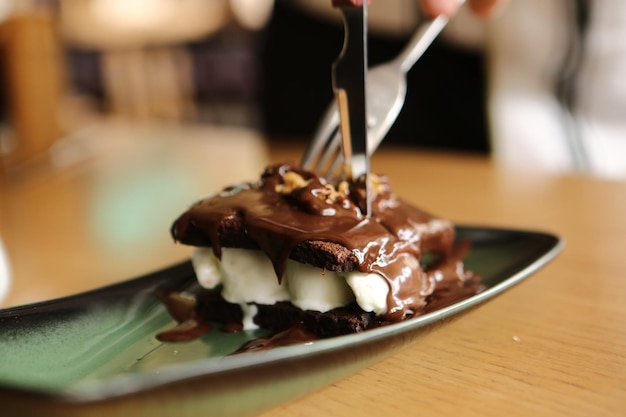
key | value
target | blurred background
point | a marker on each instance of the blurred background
(66, 62)
(539, 85)
(254, 63)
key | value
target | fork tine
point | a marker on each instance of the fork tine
(323, 154)
(334, 170)
(326, 130)
(331, 152)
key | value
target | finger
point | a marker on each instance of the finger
(486, 8)
(434, 8)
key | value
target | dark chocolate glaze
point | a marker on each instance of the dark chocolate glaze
(191, 324)
(296, 334)
(390, 242)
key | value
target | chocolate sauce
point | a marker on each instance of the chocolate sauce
(294, 335)
(184, 331)
(232, 327)
(277, 217)
(183, 308)
(453, 282)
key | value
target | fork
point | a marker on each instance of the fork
(386, 91)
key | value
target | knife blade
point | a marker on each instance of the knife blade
(349, 73)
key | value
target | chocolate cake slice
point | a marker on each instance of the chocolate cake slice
(312, 233)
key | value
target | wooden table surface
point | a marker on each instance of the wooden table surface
(554, 345)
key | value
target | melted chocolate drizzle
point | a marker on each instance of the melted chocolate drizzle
(184, 310)
(296, 334)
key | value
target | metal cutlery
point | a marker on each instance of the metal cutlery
(386, 92)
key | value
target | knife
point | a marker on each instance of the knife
(349, 74)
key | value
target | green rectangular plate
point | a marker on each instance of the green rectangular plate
(95, 353)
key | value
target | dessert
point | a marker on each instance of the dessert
(293, 249)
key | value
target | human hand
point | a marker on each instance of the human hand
(482, 8)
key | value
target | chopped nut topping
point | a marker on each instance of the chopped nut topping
(292, 181)
(330, 194)
(378, 186)
(343, 188)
